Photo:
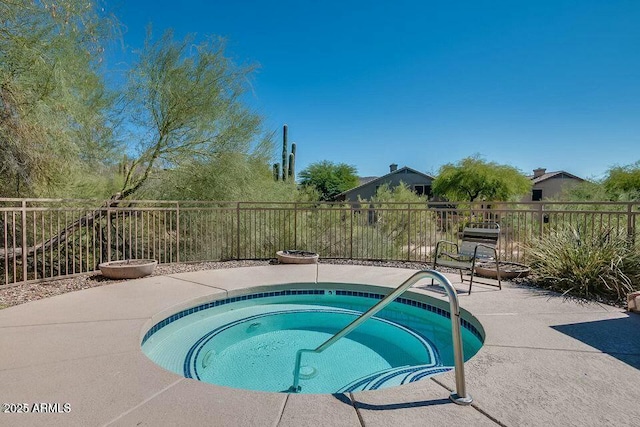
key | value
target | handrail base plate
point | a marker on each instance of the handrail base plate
(463, 401)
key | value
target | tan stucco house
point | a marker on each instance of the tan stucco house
(547, 185)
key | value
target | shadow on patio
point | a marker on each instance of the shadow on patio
(391, 406)
(619, 338)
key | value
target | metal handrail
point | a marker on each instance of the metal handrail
(460, 396)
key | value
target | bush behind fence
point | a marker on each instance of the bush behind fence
(41, 239)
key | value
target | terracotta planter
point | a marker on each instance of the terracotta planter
(508, 270)
(128, 269)
(297, 257)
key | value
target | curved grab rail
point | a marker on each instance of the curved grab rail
(460, 396)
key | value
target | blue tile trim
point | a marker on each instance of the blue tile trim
(218, 303)
(424, 306)
(409, 374)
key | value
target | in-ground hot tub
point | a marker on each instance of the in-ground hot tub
(250, 340)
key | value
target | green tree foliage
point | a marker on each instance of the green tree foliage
(475, 179)
(184, 101)
(328, 178)
(87, 181)
(587, 191)
(52, 99)
(623, 182)
(225, 177)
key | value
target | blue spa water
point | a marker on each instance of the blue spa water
(252, 344)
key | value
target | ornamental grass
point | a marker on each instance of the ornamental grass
(601, 266)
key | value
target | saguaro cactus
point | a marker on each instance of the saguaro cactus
(285, 149)
(292, 163)
(288, 159)
(276, 171)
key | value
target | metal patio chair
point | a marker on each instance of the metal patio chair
(478, 243)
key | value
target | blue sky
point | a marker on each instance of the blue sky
(540, 83)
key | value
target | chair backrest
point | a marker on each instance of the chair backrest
(486, 233)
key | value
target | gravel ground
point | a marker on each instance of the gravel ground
(14, 295)
(20, 294)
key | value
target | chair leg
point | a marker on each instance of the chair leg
(498, 275)
(471, 281)
(434, 266)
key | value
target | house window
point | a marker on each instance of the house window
(422, 190)
(536, 195)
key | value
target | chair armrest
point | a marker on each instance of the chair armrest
(445, 242)
(475, 251)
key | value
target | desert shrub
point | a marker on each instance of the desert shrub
(598, 266)
(324, 229)
(400, 218)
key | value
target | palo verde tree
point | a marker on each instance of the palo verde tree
(474, 179)
(226, 177)
(328, 178)
(53, 101)
(184, 105)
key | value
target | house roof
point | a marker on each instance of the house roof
(365, 179)
(549, 175)
(383, 177)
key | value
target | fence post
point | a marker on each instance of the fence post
(295, 225)
(177, 232)
(24, 241)
(541, 219)
(408, 231)
(352, 215)
(630, 222)
(108, 231)
(238, 226)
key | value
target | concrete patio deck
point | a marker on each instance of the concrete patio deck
(545, 361)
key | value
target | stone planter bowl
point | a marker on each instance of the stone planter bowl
(297, 257)
(633, 301)
(128, 269)
(508, 270)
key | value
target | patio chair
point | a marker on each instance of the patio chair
(478, 243)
